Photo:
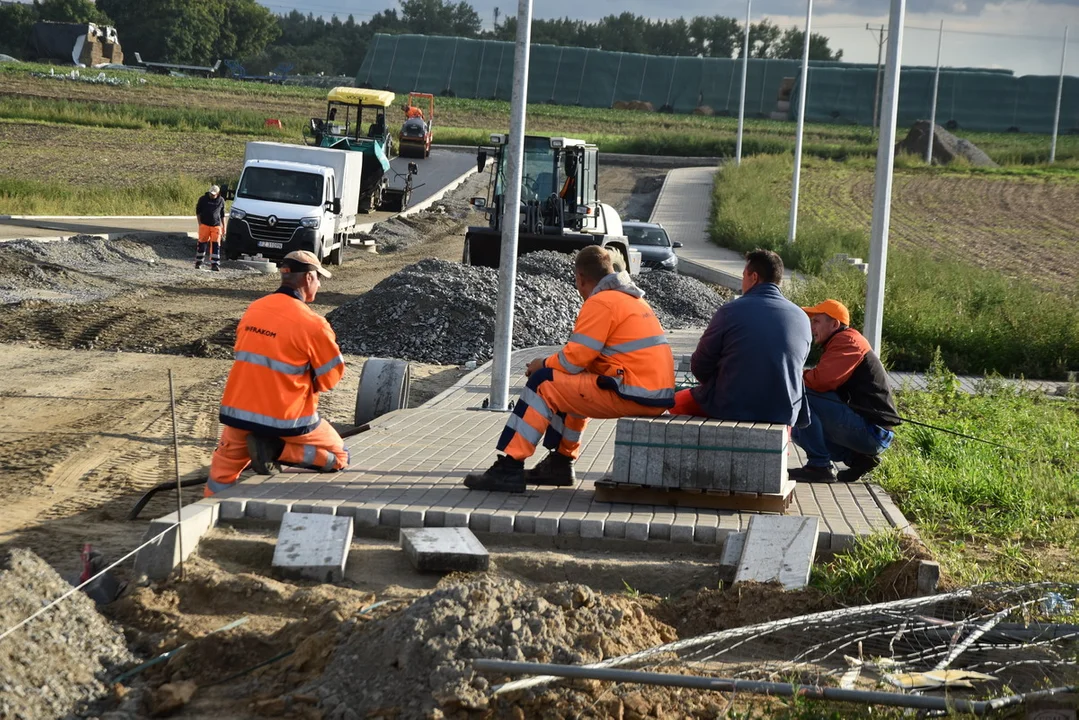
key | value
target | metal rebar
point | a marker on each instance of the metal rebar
(176, 467)
(758, 687)
(793, 229)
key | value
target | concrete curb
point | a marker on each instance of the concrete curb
(107, 236)
(453, 185)
(156, 561)
(667, 161)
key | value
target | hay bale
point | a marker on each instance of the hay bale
(620, 105)
(642, 105)
(946, 147)
(704, 110)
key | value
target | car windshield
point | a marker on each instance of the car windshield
(652, 236)
(285, 186)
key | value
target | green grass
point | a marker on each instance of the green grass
(987, 512)
(982, 321)
(853, 573)
(171, 196)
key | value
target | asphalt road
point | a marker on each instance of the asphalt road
(435, 173)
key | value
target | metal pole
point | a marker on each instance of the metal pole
(1060, 94)
(176, 467)
(511, 212)
(876, 89)
(759, 687)
(882, 198)
(933, 110)
(793, 231)
(742, 98)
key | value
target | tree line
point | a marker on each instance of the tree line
(202, 31)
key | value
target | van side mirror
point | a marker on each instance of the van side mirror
(228, 193)
(478, 202)
(333, 206)
(676, 244)
(481, 160)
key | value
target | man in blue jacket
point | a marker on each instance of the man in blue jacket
(749, 361)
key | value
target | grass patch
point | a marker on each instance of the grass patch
(170, 196)
(981, 321)
(853, 574)
(988, 513)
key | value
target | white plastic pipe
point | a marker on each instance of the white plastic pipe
(933, 110)
(511, 212)
(793, 231)
(1060, 94)
(742, 98)
(882, 197)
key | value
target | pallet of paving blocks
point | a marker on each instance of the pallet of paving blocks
(697, 462)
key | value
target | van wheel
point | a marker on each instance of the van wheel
(337, 255)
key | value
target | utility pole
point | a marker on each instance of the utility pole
(880, 54)
(792, 230)
(933, 109)
(742, 98)
(1060, 93)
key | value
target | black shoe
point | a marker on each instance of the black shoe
(814, 474)
(555, 469)
(264, 452)
(857, 466)
(198, 265)
(215, 268)
(506, 475)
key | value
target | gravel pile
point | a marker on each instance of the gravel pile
(444, 312)
(55, 665)
(416, 662)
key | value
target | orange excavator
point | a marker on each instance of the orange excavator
(414, 139)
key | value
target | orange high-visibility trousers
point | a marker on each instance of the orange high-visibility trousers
(321, 449)
(555, 407)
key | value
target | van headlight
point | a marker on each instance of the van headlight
(237, 214)
(670, 261)
(311, 222)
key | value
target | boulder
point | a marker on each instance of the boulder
(946, 147)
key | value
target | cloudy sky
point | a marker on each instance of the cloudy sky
(1026, 37)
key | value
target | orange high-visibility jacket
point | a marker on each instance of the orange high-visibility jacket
(285, 354)
(618, 337)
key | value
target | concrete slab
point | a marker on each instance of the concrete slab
(732, 550)
(313, 546)
(176, 541)
(778, 548)
(444, 550)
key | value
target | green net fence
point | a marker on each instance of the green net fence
(969, 98)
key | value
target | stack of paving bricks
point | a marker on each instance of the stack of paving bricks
(719, 463)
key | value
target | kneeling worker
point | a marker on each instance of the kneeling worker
(285, 355)
(617, 363)
(851, 405)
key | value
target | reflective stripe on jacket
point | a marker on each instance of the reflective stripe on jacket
(285, 354)
(618, 337)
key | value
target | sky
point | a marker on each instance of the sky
(1026, 37)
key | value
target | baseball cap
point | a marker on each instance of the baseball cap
(215, 190)
(832, 308)
(304, 261)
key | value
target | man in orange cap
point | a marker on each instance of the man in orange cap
(851, 407)
(285, 355)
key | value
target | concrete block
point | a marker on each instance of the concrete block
(772, 438)
(691, 439)
(444, 549)
(674, 436)
(623, 432)
(592, 528)
(158, 559)
(779, 548)
(928, 577)
(721, 464)
(740, 438)
(638, 458)
(657, 434)
(703, 471)
(231, 509)
(312, 546)
(637, 530)
(732, 549)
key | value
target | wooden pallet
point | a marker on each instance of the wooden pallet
(614, 492)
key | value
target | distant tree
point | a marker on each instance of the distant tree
(715, 36)
(792, 45)
(440, 17)
(70, 11)
(763, 39)
(16, 20)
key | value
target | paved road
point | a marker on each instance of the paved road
(435, 173)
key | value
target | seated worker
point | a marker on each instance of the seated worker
(616, 363)
(411, 111)
(853, 412)
(749, 360)
(285, 355)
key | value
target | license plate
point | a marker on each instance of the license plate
(274, 245)
(645, 269)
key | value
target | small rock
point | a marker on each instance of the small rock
(170, 697)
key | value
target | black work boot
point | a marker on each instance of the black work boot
(506, 475)
(857, 466)
(264, 452)
(814, 474)
(555, 469)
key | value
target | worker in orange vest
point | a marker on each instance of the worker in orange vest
(616, 363)
(285, 355)
(411, 111)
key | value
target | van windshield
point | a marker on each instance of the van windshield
(284, 186)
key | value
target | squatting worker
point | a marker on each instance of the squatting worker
(285, 355)
(749, 360)
(851, 401)
(210, 211)
(616, 363)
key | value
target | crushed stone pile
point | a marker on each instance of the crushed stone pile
(444, 312)
(417, 661)
(404, 231)
(57, 664)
